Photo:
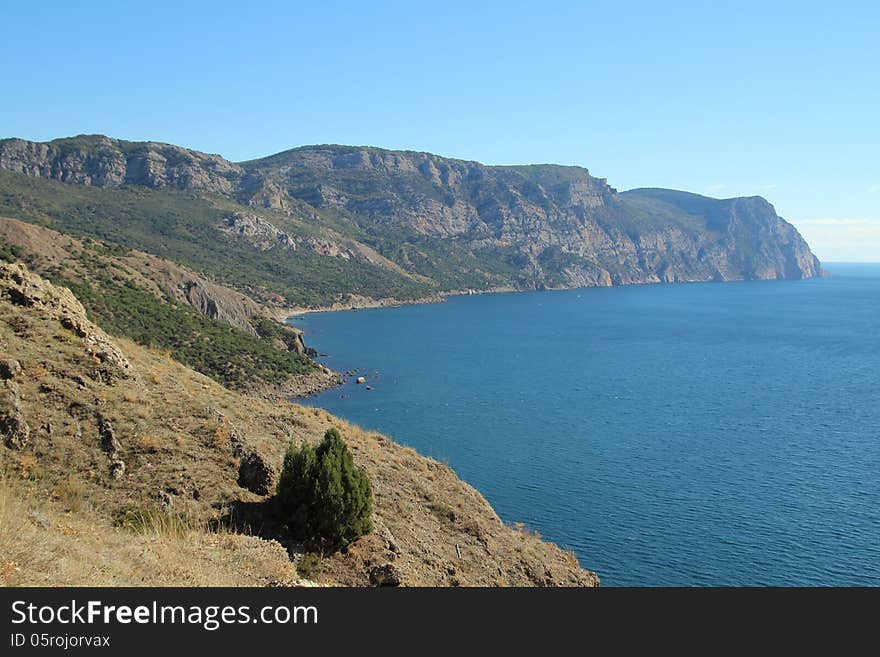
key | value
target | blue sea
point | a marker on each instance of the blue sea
(691, 434)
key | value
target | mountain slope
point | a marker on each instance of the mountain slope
(113, 452)
(303, 265)
(216, 330)
(406, 224)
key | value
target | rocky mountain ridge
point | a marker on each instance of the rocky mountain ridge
(104, 162)
(457, 223)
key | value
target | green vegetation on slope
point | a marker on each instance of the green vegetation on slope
(218, 350)
(226, 354)
(326, 499)
(184, 228)
(438, 224)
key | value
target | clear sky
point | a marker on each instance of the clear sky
(778, 99)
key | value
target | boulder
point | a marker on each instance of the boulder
(109, 443)
(14, 428)
(361, 379)
(385, 575)
(9, 368)
(255, 474)
(236, 443)
(117, 469)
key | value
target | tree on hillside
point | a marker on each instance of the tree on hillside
(325, 498)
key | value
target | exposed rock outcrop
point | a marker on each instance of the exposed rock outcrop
(385, 575)
(329, 248)
(568, 227)
(104, 162)
(262, 234)
(255, 473)
(22, 288)
(13, 426)
(9, 368)
(109, 443)
(529, 227)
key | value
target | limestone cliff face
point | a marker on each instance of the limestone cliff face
(738, 238)
(570, 228)
(104, 162)
(530, 226)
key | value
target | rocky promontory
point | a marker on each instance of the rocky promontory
(449, 224)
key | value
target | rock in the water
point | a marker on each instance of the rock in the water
(385, 575)
(255, 474)
(361, 379)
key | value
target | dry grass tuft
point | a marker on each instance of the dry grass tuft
(148, 442)
(71, 493)
(524, 531)
(149, 521)
(40, 547)
(37, 372)
(28, 466)
(220, 437)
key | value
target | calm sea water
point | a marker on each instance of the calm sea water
(702, 434)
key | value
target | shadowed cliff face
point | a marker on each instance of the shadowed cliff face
(525, 227)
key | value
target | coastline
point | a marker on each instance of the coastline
(364, 303)
(326, 379)
(282, 314)
(323, 379)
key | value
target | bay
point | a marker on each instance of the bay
(692, 434)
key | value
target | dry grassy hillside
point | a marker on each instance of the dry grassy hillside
(123, 467)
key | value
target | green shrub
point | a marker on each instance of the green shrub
(326, 500)
(309, 565)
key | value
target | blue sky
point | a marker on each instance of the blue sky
(778, 99)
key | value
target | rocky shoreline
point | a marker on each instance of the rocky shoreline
(324, 378)
(364, 303)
